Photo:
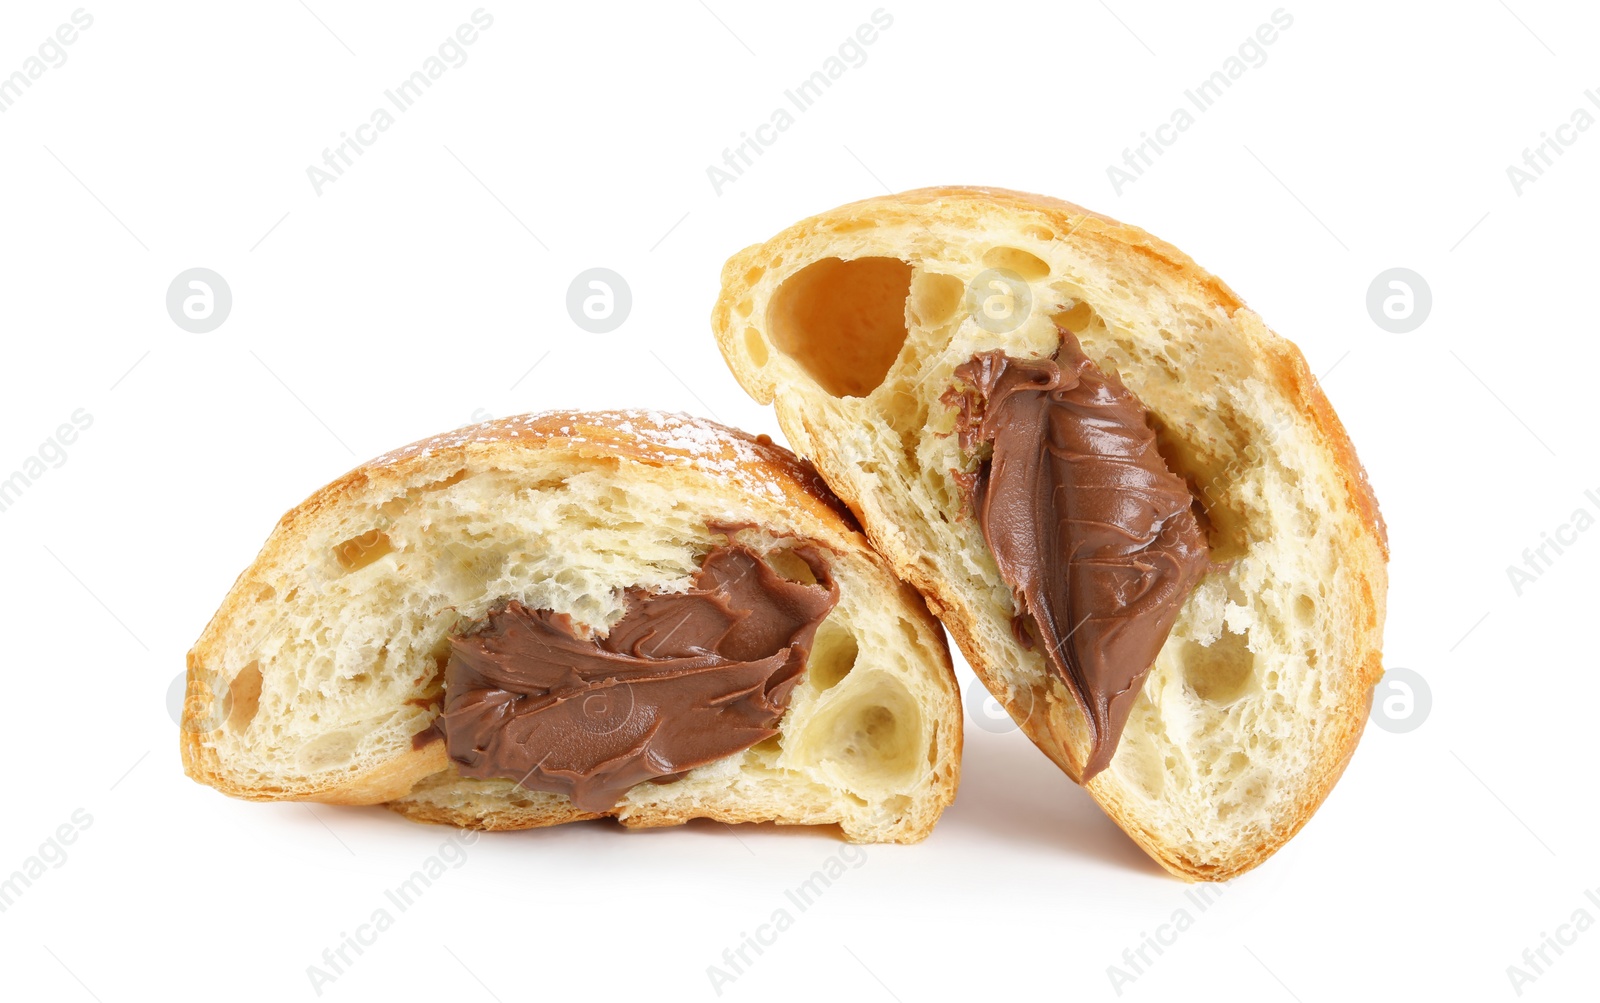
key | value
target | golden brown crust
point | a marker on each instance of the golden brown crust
(507, 820)
(1292, 374)
(636, 435)
(761, 474)
(1046, 719)
(1062, 218)
(1055, 216)
(1287, 365)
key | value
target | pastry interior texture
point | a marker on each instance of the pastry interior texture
(861, 326)
(322, 676)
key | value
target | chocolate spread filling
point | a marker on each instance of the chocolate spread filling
(683, 679)
(1092, 532)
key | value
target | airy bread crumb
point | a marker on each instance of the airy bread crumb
(852, 322)
(327, 657)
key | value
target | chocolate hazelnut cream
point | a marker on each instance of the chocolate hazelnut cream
(681, 680)
(1092, 532)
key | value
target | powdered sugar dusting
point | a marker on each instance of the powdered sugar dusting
(674, 438)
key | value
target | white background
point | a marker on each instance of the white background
(417, 291)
